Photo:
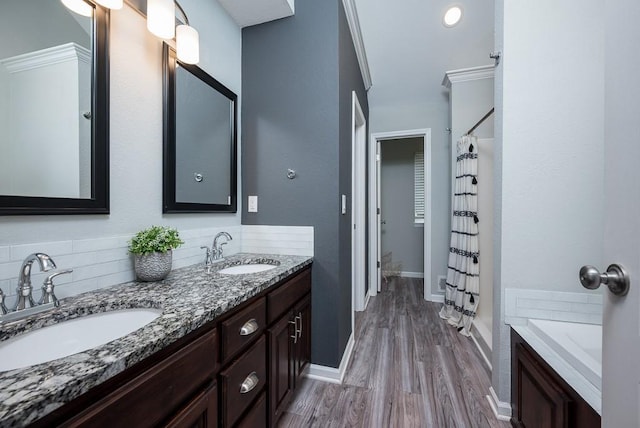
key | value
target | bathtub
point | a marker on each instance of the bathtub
(579, 344)
(573, 350)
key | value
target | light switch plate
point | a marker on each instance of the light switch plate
(252, 205)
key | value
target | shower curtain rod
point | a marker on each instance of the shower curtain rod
(480, 121)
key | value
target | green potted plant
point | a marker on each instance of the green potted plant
(152, 252)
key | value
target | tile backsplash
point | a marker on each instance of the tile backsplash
(102, 262)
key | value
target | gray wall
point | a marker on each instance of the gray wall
(401, 235)
(293, 115)
(203, 141)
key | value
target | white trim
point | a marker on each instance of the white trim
(374, 244)
(358, 207)
(501, 409)
(481, 344)
(436, 298)
(406, 274)
(366, 302)
(468, 74)
(358, 44)
(46, 57)
(425, 134)
(331, 374)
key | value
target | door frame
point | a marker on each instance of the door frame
(374, 204)
(358, 206)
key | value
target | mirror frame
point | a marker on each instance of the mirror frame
(99, 201)
(169, 203)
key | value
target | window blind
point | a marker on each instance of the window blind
(418, 187)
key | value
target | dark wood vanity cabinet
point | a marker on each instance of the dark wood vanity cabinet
(236, 371)
(540, 398)
(289, 342)
(174, 389)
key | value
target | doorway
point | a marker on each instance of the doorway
(402, 208)
(375, 209)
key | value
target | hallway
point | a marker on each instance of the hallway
(403, 372)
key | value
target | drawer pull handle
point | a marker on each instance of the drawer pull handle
(249, 383)
(249, 327)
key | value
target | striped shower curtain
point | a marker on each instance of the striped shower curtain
(463, 273)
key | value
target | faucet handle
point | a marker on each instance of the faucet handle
(3, 307)
(47, 288)
(207, 257)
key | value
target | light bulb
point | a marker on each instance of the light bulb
(187, 44)
(78, 6)
(161, 18)
(452, 16)
(111, 4)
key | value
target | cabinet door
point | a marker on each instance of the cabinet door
(280, 366)
(303, 346)
(540, 401)
(201, 412)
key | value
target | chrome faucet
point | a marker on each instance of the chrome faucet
(25, 297)
(217, 247)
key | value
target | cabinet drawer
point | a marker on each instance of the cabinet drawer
(284, 297)
(250, 366)
(242, 328)
(158, 392)
(257, 416)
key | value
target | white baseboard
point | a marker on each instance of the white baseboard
(437, 298)
(501, 409)
(481, 343)
(331, 374)
(404, 274)
(366, 299)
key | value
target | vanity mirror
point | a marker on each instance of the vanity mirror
(200, 147)
(54, 108)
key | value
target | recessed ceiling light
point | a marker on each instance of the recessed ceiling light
(452, 16)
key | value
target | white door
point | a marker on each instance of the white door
(621, 322)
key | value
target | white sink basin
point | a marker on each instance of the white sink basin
(70, 337)
(249, 268)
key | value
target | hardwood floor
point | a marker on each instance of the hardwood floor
(409, 369)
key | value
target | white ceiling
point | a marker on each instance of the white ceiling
(409, 49)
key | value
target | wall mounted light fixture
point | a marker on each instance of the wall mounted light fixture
(78, 6)
(83, 8)
(161, 21)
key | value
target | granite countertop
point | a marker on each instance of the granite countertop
(189, 298)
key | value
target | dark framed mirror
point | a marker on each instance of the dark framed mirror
(54, 108)
(200, 143)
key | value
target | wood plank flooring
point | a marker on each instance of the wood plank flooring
(409, 369)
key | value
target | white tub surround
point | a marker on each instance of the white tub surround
(102, 262)
(564, 328)
(579, 344)
(564, 346)
(523, 304)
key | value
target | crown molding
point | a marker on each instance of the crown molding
(468, 74)
(356, 34)
(45, 57)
